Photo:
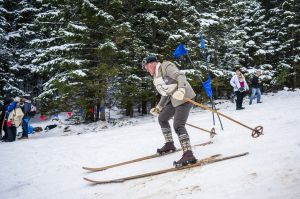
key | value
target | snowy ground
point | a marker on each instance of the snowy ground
(48, 165)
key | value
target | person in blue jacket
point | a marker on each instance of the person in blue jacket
(11, 129)
(26, 108)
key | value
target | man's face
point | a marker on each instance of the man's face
(150, 68)
(258, 73)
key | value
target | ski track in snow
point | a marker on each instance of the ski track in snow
(48, 165)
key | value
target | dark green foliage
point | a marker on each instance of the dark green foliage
(72, 54)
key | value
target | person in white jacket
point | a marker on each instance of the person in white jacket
(240, 86)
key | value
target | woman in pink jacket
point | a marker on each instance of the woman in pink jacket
(240, 86)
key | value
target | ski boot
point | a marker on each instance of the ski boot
(187, 158)
(167, 148)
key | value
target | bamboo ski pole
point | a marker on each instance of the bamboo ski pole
(256, 132)
(212, 132)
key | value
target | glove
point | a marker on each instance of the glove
(17, 99)
(179, 94)
(155, 111)
(8, 123)
(241, 89)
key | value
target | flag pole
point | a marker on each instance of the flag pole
(205, 54)
(193, 66)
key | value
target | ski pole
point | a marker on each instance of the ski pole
(212, 132)
(256, 132)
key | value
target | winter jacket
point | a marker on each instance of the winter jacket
(235, 83)
(254, 82)
(26, 108)
(16, 116)
(11, 107)
(167, 79)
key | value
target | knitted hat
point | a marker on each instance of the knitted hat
(149, 59)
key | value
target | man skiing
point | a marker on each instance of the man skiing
(173, 88)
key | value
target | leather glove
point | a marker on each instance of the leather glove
(156, 111)
(17, 99)
(179, 94)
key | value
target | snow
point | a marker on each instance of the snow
(260, 52)
(65, 47)
(78, 27)
(250, 43)
(175, 37)
(108, 44)
(48, 165)
(79, 72)
(207, 22)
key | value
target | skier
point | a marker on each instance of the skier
(173, 88)
(239, 84)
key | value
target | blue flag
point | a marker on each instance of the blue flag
(180, 50)
(207, 87)
(202, 44)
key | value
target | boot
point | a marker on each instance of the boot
(186, 159)
(23, 138)
(167, 148)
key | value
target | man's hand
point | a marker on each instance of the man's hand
(179, 94)
(155, 111)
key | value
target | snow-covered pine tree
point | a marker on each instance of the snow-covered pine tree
(16, 22)
(76, 40)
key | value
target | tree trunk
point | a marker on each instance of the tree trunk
(144, 107)
(97, 109)
(102, 110)
(129, 109)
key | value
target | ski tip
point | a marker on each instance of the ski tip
(104, 182)
(89, 180)
(93, 169)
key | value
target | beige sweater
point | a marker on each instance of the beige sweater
(172, 75)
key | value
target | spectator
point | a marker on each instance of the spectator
(256, 87)
(14, 119)
(26, 108)
(240, 86)
(6, 102)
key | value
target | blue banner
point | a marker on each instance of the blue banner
(179, 51)
(202, 43)
(207, 87)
